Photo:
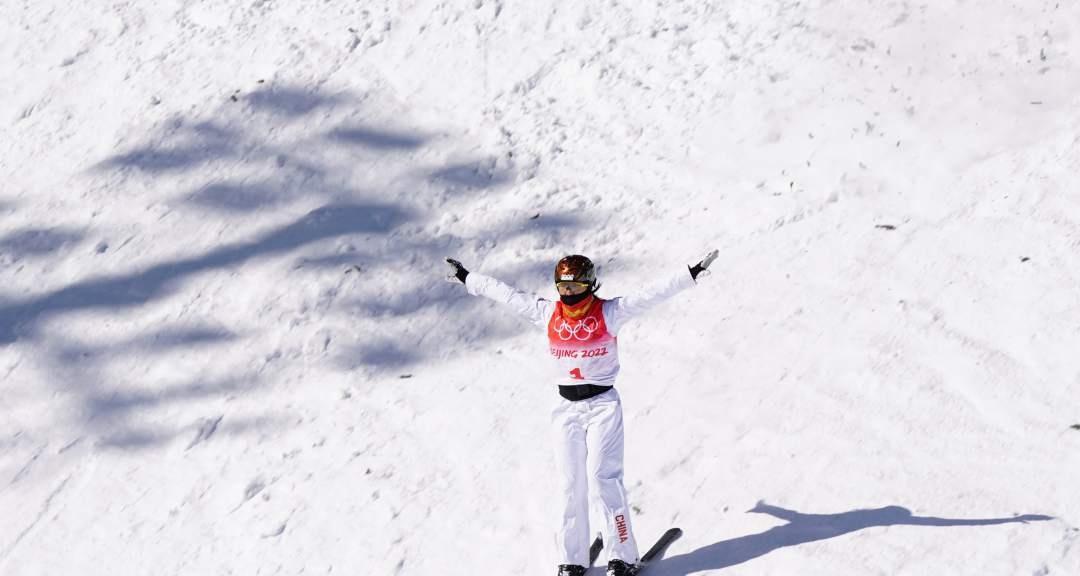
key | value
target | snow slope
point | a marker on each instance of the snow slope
(226, 346)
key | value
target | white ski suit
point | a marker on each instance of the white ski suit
(588, 432)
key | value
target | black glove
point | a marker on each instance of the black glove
(457, 271)
(703, 264)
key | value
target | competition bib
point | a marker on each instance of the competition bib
(583, 348)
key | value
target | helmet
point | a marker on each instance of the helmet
(575, 268)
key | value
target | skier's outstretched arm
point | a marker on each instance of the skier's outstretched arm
(625, 308)
(536, 310)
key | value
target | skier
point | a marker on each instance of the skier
(587, 422)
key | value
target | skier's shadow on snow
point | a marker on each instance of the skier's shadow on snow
(802, 528)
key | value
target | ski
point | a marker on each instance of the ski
(658, 549)
(594, 550)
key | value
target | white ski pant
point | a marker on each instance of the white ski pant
(589, 458)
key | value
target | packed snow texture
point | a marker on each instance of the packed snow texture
(226, 344)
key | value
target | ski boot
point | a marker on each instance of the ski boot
(571, 570)
(620, 568)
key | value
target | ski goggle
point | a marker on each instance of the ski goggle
(567, 283)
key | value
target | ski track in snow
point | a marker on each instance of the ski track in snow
(41, 514)
(226, 346)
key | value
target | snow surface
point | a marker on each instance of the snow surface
(226, 346)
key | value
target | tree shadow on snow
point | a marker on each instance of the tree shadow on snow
(135, 288)
(120, 415)
(36, 242)
(803, 528)
(266, 151)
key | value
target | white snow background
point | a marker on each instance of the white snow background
(226, 345)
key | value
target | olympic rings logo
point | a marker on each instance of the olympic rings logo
(582, 331)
